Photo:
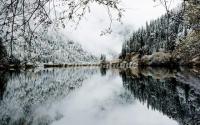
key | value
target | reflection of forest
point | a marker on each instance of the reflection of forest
(175, 93)
(21, 93)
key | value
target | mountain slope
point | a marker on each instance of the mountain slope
(52, 47)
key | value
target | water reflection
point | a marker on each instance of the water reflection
(103, 71)
(26, 91)
(174, 93)
(81, 96)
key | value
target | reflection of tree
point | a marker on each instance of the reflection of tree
(103, 71)
(169, 95)
(3, 82)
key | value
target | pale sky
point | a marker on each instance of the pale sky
(137, 12)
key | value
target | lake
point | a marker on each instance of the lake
(94, 96)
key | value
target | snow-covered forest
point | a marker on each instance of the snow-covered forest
(172, 38)
(30, 30)
(153, 37)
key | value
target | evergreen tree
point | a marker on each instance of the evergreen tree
(103, 58)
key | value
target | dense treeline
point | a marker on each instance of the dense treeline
(158, 35)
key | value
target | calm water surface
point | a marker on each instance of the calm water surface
(93, 96)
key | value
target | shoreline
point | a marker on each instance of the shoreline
(120, 65)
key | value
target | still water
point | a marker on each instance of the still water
(93, 96)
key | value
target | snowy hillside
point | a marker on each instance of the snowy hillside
(52, 47)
